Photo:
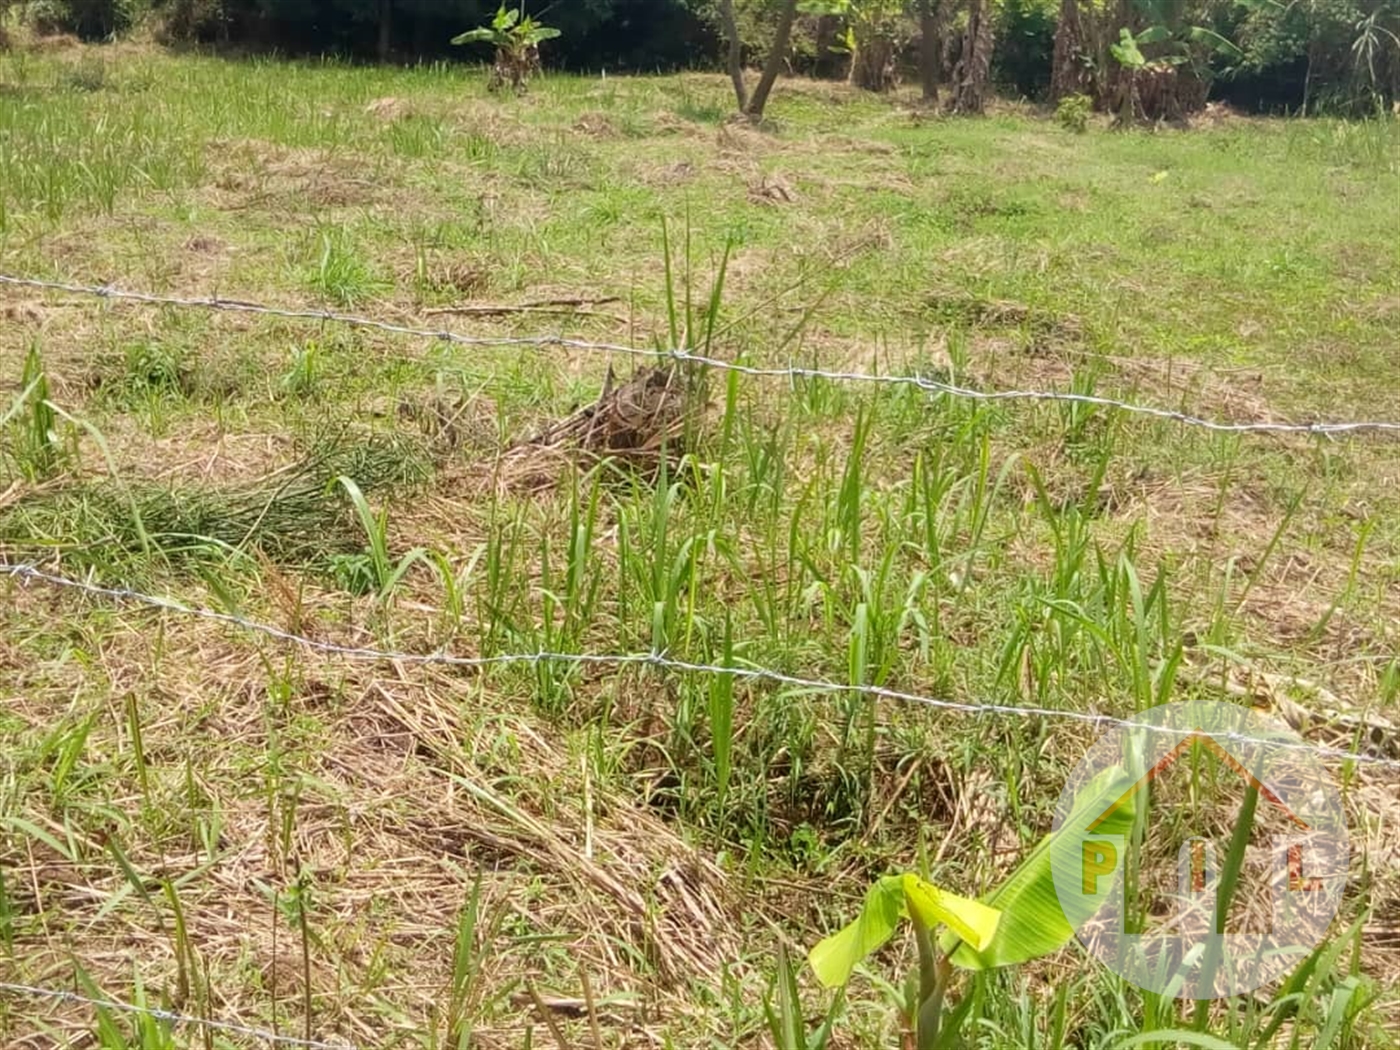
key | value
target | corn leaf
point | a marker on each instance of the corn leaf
(1033, 921)
(1163, 1036)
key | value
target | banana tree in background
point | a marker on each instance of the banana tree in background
(1161, 68)
(516, 37)
(875, 33)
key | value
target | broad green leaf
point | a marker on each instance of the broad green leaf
(544, 33)
(1176, 1035)
(1126, 51)
(892, 898)
(1202, 35)
(971, 920)
(1154, 35)
(1033, 921)
(834, 958)
(475, 36)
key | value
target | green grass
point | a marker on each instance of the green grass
(402, 854)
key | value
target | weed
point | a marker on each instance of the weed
(639, 824)
(36, 448)
(1073, 113)
(373, 570)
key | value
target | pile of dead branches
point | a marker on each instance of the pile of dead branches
(635, 424)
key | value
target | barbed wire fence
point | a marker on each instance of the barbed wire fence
(661, 660)
(684, 355)
(25, 573)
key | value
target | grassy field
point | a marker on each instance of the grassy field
(394, 853)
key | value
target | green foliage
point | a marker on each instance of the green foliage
(36, 449)
(516, 37)
(1025, 45)
(1073, 112)
(509, 31)
(1126, 51)
(88, 19)
(875, 32)
(782, 1009)
(1340, 55)
(374, 569)
(1021, 920)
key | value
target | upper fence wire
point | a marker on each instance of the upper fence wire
(685, 354)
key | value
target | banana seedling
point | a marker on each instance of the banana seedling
(1020, 920)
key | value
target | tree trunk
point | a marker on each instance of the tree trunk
(930, 47)
(1067, 74)
(774, 65)
(975, 66)
(872, 65)
(736, 53)
(825, 65)
(386, 29)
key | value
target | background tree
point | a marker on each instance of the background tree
(973, 71)
(1310, 55)
(1164, 59)
(930, 47)
(753, 105)
(787, 14)
(875, 36)
(1070, 71)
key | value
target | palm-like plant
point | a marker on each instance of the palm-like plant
(516, 37)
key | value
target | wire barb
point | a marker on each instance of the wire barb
(687, 355)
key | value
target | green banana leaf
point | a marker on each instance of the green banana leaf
(476, 36)
(1033, 922)
(892, 898)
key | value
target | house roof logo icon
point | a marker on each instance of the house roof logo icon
(1197, 736)
(1297, 853)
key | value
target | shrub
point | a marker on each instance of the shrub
(1025, 45)
(86, 19)
(1073, 112)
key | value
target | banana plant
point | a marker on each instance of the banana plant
(1164, 27)
(516, 37)
(1020, 920)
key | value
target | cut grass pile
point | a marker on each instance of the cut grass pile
(400, 852)
(294, 514)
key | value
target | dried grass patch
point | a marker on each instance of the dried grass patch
(254, 174)
(415, 782)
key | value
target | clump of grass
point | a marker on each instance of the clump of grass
(35, 449)
(295, 515)
(339, 272)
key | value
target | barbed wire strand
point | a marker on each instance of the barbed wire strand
(262, 1034)
(929, 385)
(661, 660)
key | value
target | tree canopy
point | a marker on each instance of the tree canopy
(1310, 55)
